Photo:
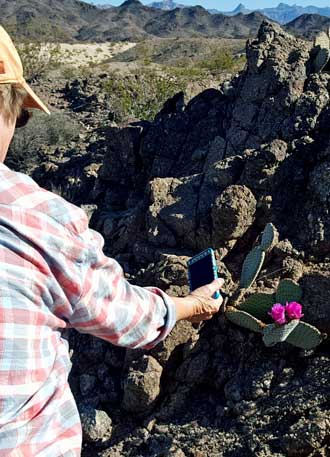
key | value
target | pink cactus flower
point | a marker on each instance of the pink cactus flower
(293, 310)
(278, 314)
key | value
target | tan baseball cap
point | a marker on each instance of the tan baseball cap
(11, 71)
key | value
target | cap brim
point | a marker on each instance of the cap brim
(32, 100)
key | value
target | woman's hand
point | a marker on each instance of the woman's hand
(199, 305)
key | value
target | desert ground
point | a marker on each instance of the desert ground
(77, 54)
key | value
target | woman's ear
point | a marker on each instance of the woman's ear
(7, 129)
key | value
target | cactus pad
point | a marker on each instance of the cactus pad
(288, 291)
(269, 237)
(251, 267)
(258, 305)
(305, 336)
(273, 333)
(245, 320)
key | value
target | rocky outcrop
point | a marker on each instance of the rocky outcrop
(262, 132)
(212, 173)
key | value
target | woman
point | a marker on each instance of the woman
(54, 275)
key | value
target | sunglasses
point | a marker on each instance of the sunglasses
(23, 118)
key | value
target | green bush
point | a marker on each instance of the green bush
(140, 95)
(41, 132)
(38, 58)
(221, 60)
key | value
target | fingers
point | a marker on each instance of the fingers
(200, 304)
(201, 318)
(203, 304)
(211, 288)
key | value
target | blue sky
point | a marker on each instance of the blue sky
(230, 4)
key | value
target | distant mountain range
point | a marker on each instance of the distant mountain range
(74, 20)
(282, 13)
(166, 5)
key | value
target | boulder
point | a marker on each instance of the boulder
(141, 385)
(96, 425)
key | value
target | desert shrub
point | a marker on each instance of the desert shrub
(70, 72)
(140, 95)
(144, 53)
(38, 58)
(189, 72)
(86, 71)
(42, 131)
(36, 29)
(221, 60)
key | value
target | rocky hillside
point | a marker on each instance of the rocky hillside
(74, 20)
(211, 172)
(69, 20)
(308, 25)
(47, 18)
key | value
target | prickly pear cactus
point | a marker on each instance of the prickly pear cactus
(253, 313)
(245, 320)
(251, 267)
(258, 305)
(269, 238)
(273, 334)
(288, 291)
(255, 259)
(305, 336)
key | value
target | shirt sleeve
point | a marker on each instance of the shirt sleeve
(111, 308)
(71, 275)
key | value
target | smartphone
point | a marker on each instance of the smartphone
(202, 269)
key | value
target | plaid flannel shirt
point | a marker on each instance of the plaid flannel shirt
(54, 275)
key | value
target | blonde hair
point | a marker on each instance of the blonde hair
(11, 101)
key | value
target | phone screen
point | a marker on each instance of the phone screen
(201, 272)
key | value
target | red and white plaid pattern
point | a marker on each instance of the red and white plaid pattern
(54, 275)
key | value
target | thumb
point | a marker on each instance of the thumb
(211, 288)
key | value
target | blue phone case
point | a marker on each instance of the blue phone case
(196, 258)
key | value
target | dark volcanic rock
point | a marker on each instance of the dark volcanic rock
(212, 173)
(96, 424)
(141, 385)
(232, 213)
(261, 136)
